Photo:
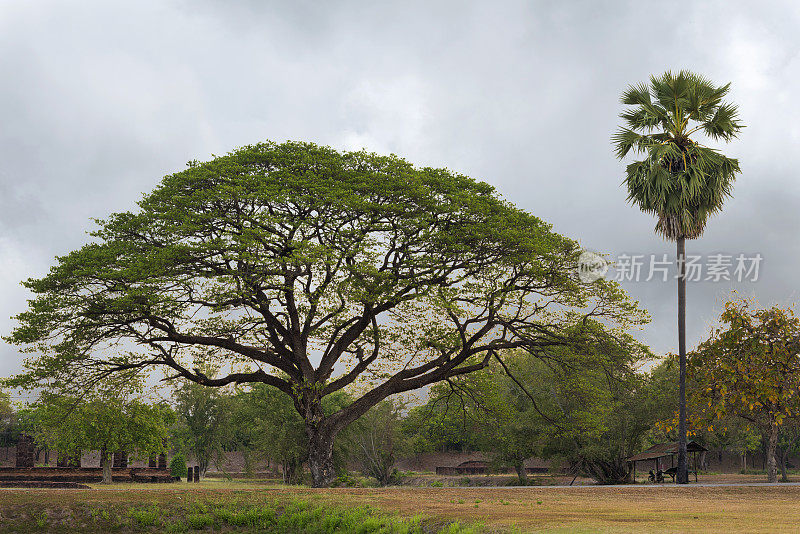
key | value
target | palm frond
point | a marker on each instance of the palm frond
(724, 124)
(636, 95)
(624, 140)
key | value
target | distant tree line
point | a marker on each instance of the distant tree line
(589, 408)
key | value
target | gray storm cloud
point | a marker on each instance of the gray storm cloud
(99, 100)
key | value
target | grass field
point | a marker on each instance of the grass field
(251, 507)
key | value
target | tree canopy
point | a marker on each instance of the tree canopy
(750, 369)
(109, 423)
(589, 406)
(680, 180)
(203, 422)
(308, 269)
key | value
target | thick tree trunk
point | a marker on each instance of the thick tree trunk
(321, 432)
(521, 474)
(320, 458)
(683, 463)
(772, 464)
(322, 429)
(105, 464)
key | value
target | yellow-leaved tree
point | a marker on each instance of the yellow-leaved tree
(750, 368)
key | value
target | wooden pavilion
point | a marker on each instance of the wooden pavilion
(663, 450)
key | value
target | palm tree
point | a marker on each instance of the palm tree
(680, 181)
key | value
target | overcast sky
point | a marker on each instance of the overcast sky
(98, 101)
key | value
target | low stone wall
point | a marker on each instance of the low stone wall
(444, 461)
(82, 474)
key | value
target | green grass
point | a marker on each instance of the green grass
(224, 506)
(214, 514)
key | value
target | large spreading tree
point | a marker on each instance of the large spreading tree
(680, 180)
(308, 270)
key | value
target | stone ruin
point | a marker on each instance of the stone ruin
(26, 451)
(68, 468)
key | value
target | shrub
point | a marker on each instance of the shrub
(177, 467)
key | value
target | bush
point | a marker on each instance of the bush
(177, 467)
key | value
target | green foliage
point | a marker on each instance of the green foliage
(6, 410)
(485, 411)
(375, 441)
(223, 236)
(203, 421)
(310, 270)
(680, 180)
(750, 369)
(597, 407)
(727, 433)
(8, 421)
(226, 514)
(737, 436)
(70, 425)
(441, 426)
(145, 518)
(663, 397)
(106, 421)
(589, 407)
(177, 466)
(264, 419)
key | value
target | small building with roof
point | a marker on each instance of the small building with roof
(661, 451)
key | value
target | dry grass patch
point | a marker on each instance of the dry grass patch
(592, 509)
(532, 509)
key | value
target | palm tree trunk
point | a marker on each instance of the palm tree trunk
(683, 465)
